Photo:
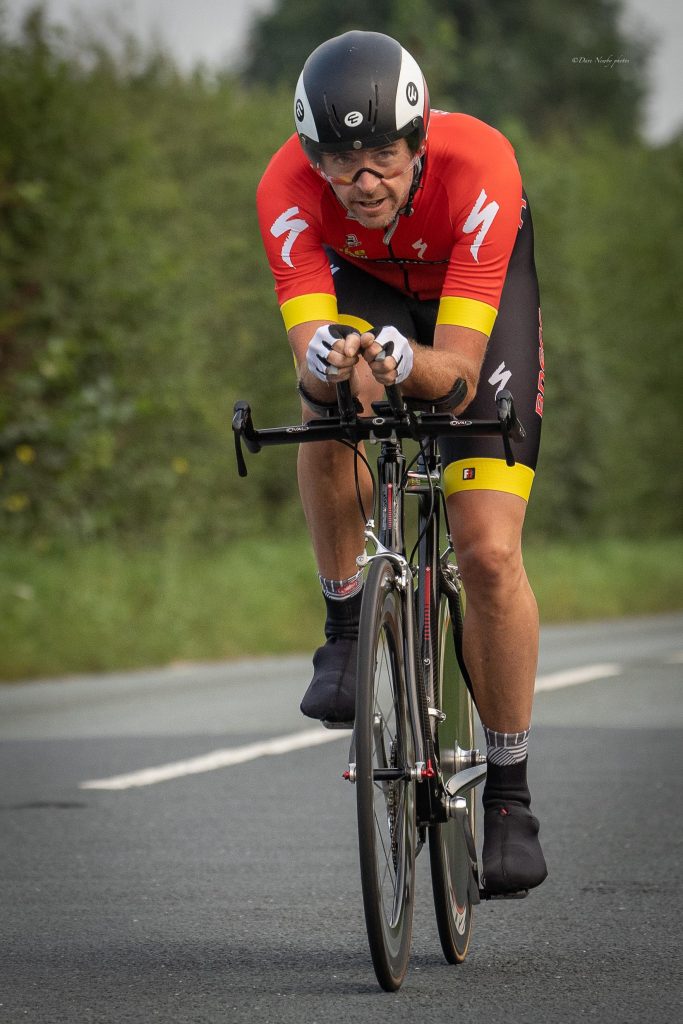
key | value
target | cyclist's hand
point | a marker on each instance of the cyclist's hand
(395, 355)
(331, 358)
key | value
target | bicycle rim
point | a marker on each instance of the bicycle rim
(386, 809)
(451, 851)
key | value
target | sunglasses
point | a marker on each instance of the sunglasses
(392, 169)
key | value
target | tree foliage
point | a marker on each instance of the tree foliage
(548, 65)
(136, 305)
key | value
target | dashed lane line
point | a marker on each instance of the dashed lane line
(217, 759)
(225, 758)
(575, 676)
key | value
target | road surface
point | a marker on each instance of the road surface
(177, 845)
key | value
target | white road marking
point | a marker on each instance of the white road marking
(217, 759)
(300, 740)
(574, 676)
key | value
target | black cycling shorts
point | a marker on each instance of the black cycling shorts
(514, 359)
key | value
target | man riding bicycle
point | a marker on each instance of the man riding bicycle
(411, 228)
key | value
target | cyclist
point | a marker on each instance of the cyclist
(411, 227)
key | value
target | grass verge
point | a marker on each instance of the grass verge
(101, 607)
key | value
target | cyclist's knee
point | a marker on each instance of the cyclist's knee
(487, 533)
(489, 564)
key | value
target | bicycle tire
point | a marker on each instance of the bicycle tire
(386, 809)
(451, 851)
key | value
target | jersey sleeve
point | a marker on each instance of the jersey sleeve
(485, 211)
(288, 204)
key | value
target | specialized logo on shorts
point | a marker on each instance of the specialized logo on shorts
(469, 473)
(499, 378)
(541, 372)
(481, 217)
(353, 118)
(412, 93)
(293, 226)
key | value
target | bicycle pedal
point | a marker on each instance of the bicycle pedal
(520, 894)
(336, 725)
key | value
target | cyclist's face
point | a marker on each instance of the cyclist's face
(373, 184)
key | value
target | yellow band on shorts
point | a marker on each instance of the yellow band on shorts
(488, 475)
(461, 312)
(354, 321)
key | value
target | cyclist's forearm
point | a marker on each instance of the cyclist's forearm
(315, 388)
(435, 371)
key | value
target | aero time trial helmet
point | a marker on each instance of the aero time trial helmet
(358, 91)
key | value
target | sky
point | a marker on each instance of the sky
(214, 31)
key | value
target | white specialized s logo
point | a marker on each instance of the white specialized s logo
(481, 217)
(499, 378)
(288, 223)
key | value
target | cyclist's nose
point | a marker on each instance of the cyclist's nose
(367, 180)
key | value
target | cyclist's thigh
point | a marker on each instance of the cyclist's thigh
(514, 360)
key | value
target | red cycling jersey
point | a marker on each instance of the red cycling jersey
(454, 247)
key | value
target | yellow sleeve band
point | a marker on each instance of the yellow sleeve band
(459, 312)
(317, 306)
(488, 475)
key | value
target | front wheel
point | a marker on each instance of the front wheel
(451, 844)
(385, 788)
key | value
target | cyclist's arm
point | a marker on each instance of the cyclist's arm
(457, 352)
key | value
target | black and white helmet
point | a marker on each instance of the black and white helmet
(358, 91)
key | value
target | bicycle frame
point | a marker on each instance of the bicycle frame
(420, 604)
(393, 421)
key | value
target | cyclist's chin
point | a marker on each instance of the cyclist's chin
(374, 215)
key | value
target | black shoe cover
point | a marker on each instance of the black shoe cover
(331, 695)
(512, 859)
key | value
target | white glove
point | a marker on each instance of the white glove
(319, 346)
(394, 344)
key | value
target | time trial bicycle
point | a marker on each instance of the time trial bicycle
(412, 758)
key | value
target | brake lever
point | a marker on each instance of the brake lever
(243, 427)
(511, 427)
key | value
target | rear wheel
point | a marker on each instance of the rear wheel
(451, 844)
(385, 790)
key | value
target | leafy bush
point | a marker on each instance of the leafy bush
(136, 305)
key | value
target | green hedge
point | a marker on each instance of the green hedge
(136, 305)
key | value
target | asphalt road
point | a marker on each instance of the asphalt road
(230, 892)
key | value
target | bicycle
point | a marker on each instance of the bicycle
(412, 757)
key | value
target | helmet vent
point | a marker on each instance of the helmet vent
(333, 117)
(373, 109)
